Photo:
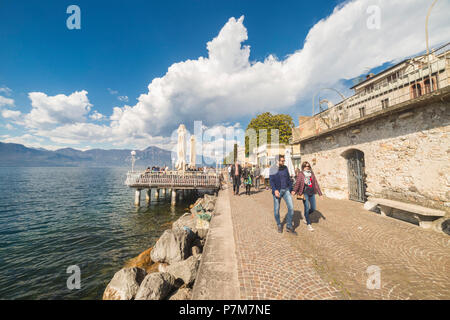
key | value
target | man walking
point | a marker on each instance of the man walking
(236, 171)
(281, 184)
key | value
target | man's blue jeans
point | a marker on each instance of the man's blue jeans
(286, 195)
(310, 206)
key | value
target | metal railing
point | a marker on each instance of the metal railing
(173, 179)
(413, 82)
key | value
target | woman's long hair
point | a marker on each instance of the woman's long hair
(304, 164)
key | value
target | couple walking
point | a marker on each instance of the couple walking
(306, 186)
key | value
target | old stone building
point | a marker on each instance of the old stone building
(390, 140)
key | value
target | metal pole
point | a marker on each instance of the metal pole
(428, 48)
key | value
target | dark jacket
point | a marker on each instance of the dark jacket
(246, 172)
(275, 178)
(300, 184)
(233, 170)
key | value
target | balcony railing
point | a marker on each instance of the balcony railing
(173, 179)
(411, 85)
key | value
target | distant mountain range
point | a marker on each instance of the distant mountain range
(17, 155)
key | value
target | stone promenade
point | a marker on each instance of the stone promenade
(332, 261)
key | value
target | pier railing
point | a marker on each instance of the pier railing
(173, 179)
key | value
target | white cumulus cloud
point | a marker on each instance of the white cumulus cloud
(96, 116)
(6, 101)
(11, 114)
(226, 85)
(5, 90)
(57, 110)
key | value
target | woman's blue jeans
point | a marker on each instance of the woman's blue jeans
(286, 195)
(310, 206)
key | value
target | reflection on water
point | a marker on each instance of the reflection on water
(51, 218)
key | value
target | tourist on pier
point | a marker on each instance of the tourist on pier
(307, 186)
(236, 170)
(230, 173)
(281, 183)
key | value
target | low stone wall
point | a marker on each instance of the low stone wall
(407, 157)
(169, 269)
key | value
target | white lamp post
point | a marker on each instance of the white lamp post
(133, 160)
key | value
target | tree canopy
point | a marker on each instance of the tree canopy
(281, 122)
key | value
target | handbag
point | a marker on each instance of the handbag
(301, 197)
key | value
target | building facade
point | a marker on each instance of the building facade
(265, 155)
(391, 139)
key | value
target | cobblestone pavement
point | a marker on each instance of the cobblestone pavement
(332, 262)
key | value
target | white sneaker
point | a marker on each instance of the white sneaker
(310, 228)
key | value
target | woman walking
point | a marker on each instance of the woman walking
(307, 187)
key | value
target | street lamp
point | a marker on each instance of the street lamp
(133, 160)
(314, 98)
(428, 47)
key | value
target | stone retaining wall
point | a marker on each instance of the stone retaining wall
(407, 157)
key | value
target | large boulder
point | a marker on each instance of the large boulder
(182, 294)
(125, 284)
(186, 220)
(142, 261)
(156, 286)
(173, 246)
(209, 202)
(202, 227)
(185, 270)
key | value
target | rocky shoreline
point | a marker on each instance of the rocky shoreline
(168, 270)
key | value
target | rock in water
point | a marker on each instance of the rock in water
(125, 284)
(185, 270)
(182, 294)
(186, 220)
(156, 286)
(173, 246)
(142, 261)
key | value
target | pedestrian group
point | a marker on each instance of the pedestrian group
(278, 178)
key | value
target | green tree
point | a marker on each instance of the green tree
(281, 122)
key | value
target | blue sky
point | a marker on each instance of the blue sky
(124, 45)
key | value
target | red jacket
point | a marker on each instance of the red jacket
(300, 184)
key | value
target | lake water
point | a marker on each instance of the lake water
(52, 218)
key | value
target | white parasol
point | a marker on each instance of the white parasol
(288, 160)
(193, 153)
(181, 148)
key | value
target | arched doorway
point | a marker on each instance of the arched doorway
(356, 175)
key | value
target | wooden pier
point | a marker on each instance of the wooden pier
(172, 180)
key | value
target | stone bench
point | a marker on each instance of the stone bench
(427, 218)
